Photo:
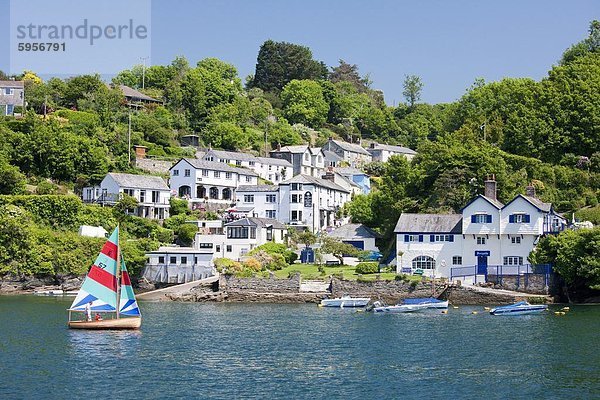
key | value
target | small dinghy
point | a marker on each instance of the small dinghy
(346, 301)
(520, 308)
(411, 305)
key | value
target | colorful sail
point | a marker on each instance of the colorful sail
(100, 284)
(127, 304)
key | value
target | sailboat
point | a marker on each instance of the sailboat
(106, 291)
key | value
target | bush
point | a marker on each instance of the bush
(52, 210)
(272, 248)
(227, 266)
(252, 264)
(186, 234)
(178, 206)
(45, 187)
(367, 268)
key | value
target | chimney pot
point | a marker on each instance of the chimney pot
(530, 190)
(490, 187)
(278, 146)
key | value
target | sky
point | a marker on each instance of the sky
(447, 43)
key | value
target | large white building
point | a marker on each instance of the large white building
(151, 192)
(305, 160)
(213, 181)
(270, 169)
(488, 237)
(304, 201)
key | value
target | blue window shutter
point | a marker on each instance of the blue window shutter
(452, 238)
(406, 238)
(432, 238)
(473, 219)
(511, 218)
(526, 218)
(420, 238)
(488, 219)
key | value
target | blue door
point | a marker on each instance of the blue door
(482, 263)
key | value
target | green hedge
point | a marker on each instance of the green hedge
(367, 268)
(52, 210)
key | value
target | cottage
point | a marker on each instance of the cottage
(383, 152)
(151, 192)
(304, 159)
(12, 94)
(358, 235)
(353, 154)
(270, 169)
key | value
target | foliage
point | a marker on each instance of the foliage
(591, 214)
(337, 248)
(125, 205)
(12, 180)
(273, 248)
(367, 268)
(186, 234)
(412, 89)
(178, 206)
(306, 237)
(303, 103)
(50, 210)
(45, 187)
(252, 264)
(227, 266)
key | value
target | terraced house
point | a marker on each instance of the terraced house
(12, 95)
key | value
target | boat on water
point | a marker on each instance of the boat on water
(106, 299)
(411, 305)
(56, 292)
(346, 301)
(520, 308)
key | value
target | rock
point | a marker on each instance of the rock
(71, 284)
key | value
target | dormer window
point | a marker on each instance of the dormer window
(519, 218)
(481, 219)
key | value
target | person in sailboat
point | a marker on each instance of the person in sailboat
(88, 311)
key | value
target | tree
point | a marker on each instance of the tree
(303, 103)
(186, 234)
(124, 206)
(345, 72)
(412, 89)
(588, 45)
(278, 63)
(307, 238)
(337, 248)
(12, 181)
(360, 209)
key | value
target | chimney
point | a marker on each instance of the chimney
(530, 190)
(490, 187)
(329, 175)
(140, 151)
(278, 146)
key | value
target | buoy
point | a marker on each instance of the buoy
(562, 313)
(566, 308)
(444, 311)
(473, 312)
(486, 308)
(556, 312)
(455, 307)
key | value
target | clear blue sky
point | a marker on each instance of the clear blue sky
(447, 43)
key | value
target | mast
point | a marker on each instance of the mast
(118, 277)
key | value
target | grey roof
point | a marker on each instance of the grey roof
(292, 149)
(495, 202)
(217, 166)
(351, 147)
(354, 231)
(257, 188)
(136, 95)
(546, 207)
(244, 209)
(274, 161)
(231, 155)
(139, 181)
(429, 223)
(394, 149)
(257, 222)
(315, 181)
(331, 156)
(347, 180)
(13, 84)
(349, 171)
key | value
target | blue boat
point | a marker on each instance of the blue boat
(520, 308)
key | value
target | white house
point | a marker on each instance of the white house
(270, 169)
(12, 94)
(200, 180)
(304, 159)
(487, 238)
(383, 152)
(258, 201)
(354, 154)
(151, 192)
(173, 264)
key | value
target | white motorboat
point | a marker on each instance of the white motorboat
(345, 301)
(411, 305)
(57, 292)
(520, 308)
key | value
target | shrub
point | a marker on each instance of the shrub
(186, 234)
(178, 206)
(53, 210)
(252, 264)
(227, 266)
(293, 273)
(272, 248)
(45, 187)
(367, 268)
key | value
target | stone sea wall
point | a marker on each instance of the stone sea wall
(231, 284)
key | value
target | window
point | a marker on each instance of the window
(481, 219)
(271, 198)
(319, 159)
(308, 199)
(423, 262)
(248, 198)
(209, 158)
(128, 192)
(251, 163)
(227, 175)
(270, 167)
(175, 172)
(306, 157)
(213, 193)
(8, 91)
(142, 196)
(205, 245)
(296, 198)
(515, 240)
(413, 238)
(161, 259)
(228, 248)
(519, 218)
(226, 194)
(237, 232)
(270, 234)
(457, 260)
(205, 172)
(441, 238)
(271, 214)
(155, 196)
(296, 186)
(218, 248)
(513, 260)
(480, 239)
(248, 179)
(296, 215)
(252, 233)
(173, 260)
(217, 174)
(184, 260)
(238, 163)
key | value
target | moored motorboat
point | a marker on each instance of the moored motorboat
(520, 308)
(56, 292)
(411, 305)
(346, 301)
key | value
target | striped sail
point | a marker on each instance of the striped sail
(100, 284)
(127, 304)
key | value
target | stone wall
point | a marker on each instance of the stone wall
(231, 284)
(466, 296)
(388, 291)
(532, 283)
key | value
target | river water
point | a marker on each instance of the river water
(194, 350)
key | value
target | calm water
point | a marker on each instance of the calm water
(298, 351)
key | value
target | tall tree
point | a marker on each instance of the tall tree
(412, 89)
(303, 103)
(345, 72)
(280, 62)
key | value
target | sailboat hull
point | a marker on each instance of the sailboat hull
(108, 324)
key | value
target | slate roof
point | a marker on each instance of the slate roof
(139, 181)
(354, 231)
(394, 149)
(12, 84)
(232, 155)
(331, 156)
(274, 161)
(546, 207)
(136, 95)
(257, 188)
(301, 148)
(351, 147)
(257, 222)
(348, 171)
(217, 166)
(429, 223)
(315, 181)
